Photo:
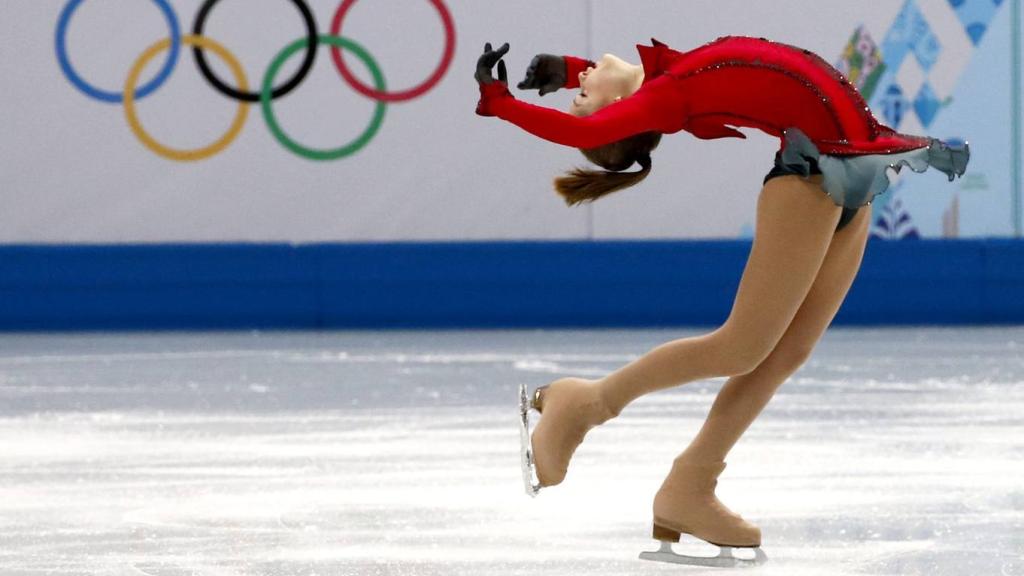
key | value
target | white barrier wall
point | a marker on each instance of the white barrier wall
(74, 172)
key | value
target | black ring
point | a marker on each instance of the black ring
(300, 75)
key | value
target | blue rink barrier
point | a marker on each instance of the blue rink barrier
(476, 285)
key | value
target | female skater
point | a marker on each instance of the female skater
(810, 238)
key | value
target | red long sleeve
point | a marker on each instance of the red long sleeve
(642, 112)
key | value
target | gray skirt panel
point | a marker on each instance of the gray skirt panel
(854, 181)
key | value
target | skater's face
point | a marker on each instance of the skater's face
(611, 80)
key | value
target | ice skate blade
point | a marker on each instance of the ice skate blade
(725, 558)
(526, 453)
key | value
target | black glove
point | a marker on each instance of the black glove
(488, 60)
(546, 72)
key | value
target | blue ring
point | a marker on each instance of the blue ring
(116, 97)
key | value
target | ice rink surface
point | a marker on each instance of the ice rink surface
(892, 451)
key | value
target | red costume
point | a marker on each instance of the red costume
(779, 89)
(733, 81)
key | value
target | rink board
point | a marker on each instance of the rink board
(458, 285)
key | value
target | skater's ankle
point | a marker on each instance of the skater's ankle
(697, 457)
(612, 408)
(596, 407)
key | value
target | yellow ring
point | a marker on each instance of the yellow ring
(174, 153)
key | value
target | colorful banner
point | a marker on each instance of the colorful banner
(156, 121)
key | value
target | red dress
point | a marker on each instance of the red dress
(737, 81)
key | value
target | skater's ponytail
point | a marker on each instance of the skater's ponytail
(581, 185)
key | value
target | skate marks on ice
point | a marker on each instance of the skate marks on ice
(150, 568)
(889, 453)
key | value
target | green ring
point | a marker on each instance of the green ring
(313, 153)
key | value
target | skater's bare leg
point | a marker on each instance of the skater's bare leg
(796, 221)
(795, 224)
(686, 501)
(744, 396)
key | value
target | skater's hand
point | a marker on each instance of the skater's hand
(491, 88)
(546, 72)
(488, 60)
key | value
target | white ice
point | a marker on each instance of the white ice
(892, 451)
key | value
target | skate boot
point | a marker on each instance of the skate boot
(569, 408)
(686, 504)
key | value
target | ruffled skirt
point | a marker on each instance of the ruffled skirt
(854, 181)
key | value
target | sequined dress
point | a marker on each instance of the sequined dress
(738, 81)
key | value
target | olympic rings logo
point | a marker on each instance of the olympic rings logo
(240, 92)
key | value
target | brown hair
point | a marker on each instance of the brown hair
(580, 185)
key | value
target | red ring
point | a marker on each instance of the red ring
(385, 96)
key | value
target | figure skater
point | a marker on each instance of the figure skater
(810, 238)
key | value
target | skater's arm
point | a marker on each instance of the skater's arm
(647, 110)
(655, 107)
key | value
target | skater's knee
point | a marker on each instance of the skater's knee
(739, 352)
(788, 358)
(744, 364)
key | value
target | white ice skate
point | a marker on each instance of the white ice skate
(530, 481)
(725, 558)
